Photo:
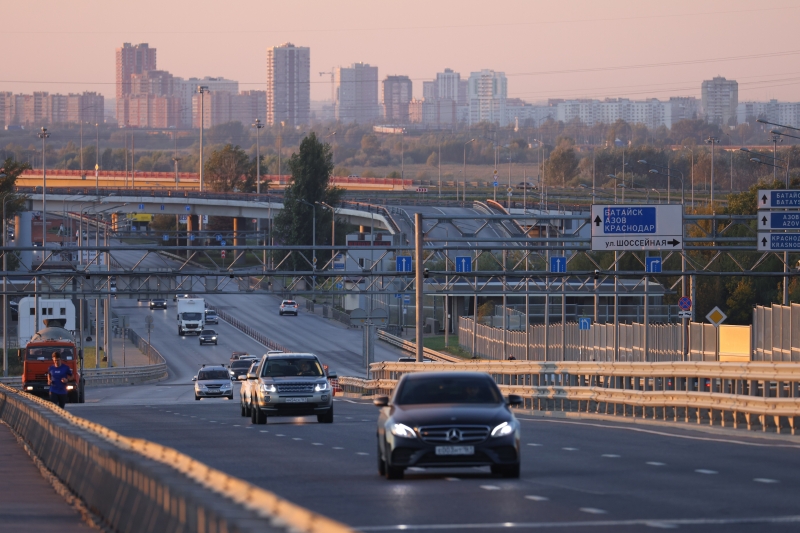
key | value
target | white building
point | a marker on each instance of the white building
(288, 85)
(487, 92)
(652, 113)
(787, 113)
(357, 93)
(720, 99)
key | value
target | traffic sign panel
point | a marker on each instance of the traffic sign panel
(778, 220)
(218, 236)
(222, 254)
(685, 303)
(558, 264)
(779, 242)
(141, 207)
(780, 199)
(403, 263)
(584, 323)
(716, 316)
(165, 237)
(495, 184)
(223, 242)
(653, 265)
(637, 227)
(422, 189)
(463, 263)
(685, 314)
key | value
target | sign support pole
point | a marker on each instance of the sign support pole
(419, 234)
(616, 307)
(646, 319)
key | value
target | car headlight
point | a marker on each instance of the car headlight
(502, 430)
(225, 386)
(319, 387)
(201, 386)
(402, 430)
(268, 388)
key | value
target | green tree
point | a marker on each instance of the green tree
(11, 170)
(311, 169)
(229, 169)
(562, 165)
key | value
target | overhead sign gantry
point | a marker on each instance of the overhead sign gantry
(637, 227)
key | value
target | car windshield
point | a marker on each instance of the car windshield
(211, 313)
(192, 316)
(300, 366)
(212, 374)
(44, 354)
(242, 363)
(436, 389)
(209, 332)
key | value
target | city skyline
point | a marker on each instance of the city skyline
(612, 49)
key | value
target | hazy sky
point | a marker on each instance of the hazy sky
(547, 49)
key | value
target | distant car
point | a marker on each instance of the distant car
(525, 185)
(246, 390)
(158, 304)
(447, 419)
(208, 336)
(211, 317)
(175, 298)
(238, 355)
(288, 307)
(212, 382)
(239, 367)
(413, 360)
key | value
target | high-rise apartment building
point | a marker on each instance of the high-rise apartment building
(357, 93)
(720, 98)
(487, 94)
(44, 109)
(288, 85)
(133, 59)
(396, 98)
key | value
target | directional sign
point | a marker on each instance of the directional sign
(463, 263)
(637, 227)
(558, 264)
(685, 314)
(653, 265)
(162, 207)
(141, 207)
(218, 236)
(716, 316)
(191, 236)
(339, 262)
(779, 242)
(422, 189)
(223, 242)
(685, 303)
(778, 220)
(780, 199)
(165, 237)
(584, 323)
(340, 285)
(403, 263)
(188, 208)
(406, 300)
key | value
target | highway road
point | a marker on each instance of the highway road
(576, 475)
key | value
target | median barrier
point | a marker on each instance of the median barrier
(753, 395)
(134, 485)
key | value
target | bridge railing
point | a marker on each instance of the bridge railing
(756, 395)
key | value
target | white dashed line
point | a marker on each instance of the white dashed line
(451, 479)
(661, 525)
(237, 425)
(317, 444)
(416, 469)
(348, 418)
(490, 487)
(570, 449)
(765, 480)
(704, 471)
(248, 427)
(338, 448)
(536, 498)
(533, 444)
(656, 463)
(592, 510)
(610, 455)
(362, 453)
(296, 438)
(279, 435)
(264, 431)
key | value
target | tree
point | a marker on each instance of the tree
(229, 169)
(12, 170)
(311, 169)
(562, 165)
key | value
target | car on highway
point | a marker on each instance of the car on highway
(288, 307)
(447, 419)
(212, 381)
(246, 389)
(526, 185)
(406, 359)
(291, 384)
(208, 336)
(211, 317)
(158, 303)
(175, 298)
(238, 355)
(240, 366)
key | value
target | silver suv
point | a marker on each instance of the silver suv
(290, 384)
(213, 381)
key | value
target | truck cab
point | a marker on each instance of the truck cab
(36, 362)
(191, 313)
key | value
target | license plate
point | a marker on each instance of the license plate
(455, 450)
(296, 400)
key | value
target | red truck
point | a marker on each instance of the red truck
(37, 360)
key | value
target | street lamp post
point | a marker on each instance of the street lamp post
(43, 135)
(712, 141)
(258, 125)
(333, 228)
(97, 159)
(202, 89)
(464, 197)
(692, 175)
(313, 237)
(5, 278)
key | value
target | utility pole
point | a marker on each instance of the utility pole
(202, 89)
(43, 135)
(712, 141)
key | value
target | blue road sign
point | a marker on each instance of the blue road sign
(162, 207)
(223, 242)
(627, 220)
(166, 237)
(141, 206)
(495, 184)
(188, 208)
(778, 220)
(463, 263)
(558, 264)
(339, 285)
(685, 303)
(403, 263)
(584, 323)
(779, 242)
(652, 264)
(406, 300)
(191, 236)
(398, 296)
(778, 199)
(218, 236)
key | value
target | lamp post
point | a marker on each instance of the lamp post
(658, 193)
(439, 164)
(176, 159)
(97, 159)
(202, 89)
(43, 135)
(464, 198)
(333, 228)
(692, 175)
(712, 141)
(313, 246)
(258, 125)
(5, 278)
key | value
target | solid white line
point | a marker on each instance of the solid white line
(656, 463)
(649, 522)
(592, 510)
(765, 480)
(536, 498)
(662, 433)
(704, 471)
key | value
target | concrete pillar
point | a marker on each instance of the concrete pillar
(22, 238)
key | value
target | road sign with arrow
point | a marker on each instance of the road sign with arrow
(637, 227)
(779, 199)
(779, 242)
(769, 220)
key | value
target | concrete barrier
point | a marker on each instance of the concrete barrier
(134, 485)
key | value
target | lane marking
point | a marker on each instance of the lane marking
(656, 463)
(651, 522)
(490, 487)
(316, 444)
(451, 479)
(533, 444)
(279, 435)
(348, 401)
(416, 469)
(536, 498)
(362, 453)
(295, 438)
(338, 448)
(704, 471)
(592, 510)
(264, 431)
(663, 433)
(611, 455)
(570, 449)
(765, 480)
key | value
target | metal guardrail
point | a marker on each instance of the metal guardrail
(412, 347)
(759, 395)
(134, 478)
(248, 330)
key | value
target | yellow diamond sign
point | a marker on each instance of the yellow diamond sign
(716, 316)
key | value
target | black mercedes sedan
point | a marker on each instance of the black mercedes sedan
(447, 419)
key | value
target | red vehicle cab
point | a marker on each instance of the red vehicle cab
(37, 360)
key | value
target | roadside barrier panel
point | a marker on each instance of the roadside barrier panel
(139, 486)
